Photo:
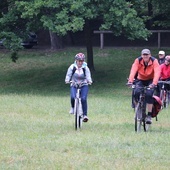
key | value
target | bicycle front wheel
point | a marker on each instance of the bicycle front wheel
(138, 118)
(76, 114)
(167, 98)
(162, 97)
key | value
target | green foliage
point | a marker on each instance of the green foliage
(120, 16)
(124, 20)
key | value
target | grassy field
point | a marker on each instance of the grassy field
(37, 133)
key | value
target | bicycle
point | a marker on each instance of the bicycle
(78, 111)
(140, 110)
(164, 94)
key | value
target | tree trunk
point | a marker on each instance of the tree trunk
(89, 47)
(56, 41)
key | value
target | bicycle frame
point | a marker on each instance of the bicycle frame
(164, 94)
(140, 111)
(78, 112)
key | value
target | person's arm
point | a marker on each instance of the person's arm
(69, 74)
(88, 75)
(161, 71)
(157, 72)
(133, 71)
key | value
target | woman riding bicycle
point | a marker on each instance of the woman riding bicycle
(79, 73)
(148, 71)
(165, 73)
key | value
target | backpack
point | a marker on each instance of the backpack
(74, 70)
(157, 104)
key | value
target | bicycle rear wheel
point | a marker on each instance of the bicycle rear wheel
(138, 118)
(146, 126)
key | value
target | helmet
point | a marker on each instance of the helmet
(167, 58)
(80, 56)
(157, 104)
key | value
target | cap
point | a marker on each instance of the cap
(162, 52)
(145, 51)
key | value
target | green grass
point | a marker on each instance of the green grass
(38, 133)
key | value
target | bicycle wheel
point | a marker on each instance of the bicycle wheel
(167, 97)
(162, 97)
(76, 114)
(80, 115)
(138, 118)
(146, 127)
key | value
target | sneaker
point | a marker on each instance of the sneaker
(148, 120)
(71, 111)
(85, 119)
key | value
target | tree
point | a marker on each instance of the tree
(61, 17)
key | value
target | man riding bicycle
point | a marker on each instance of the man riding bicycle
(79, 73)
(147, 70)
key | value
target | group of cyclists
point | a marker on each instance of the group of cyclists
(147, 71)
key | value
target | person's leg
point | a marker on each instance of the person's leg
(84, 93)
(137, 90)
(149, 105)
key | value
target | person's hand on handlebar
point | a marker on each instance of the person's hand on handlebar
(129, 84)
(152, 86)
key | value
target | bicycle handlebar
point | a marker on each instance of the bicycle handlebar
(78, 85)
(139, 87)
(164, 82)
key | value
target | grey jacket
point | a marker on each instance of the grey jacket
(78, 76)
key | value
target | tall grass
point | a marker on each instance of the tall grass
(38, 133)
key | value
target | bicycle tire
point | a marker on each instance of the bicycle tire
(162, 96)
(80, 114)
(146, 126)
(76, 114)
(138, 118)
(167, 97)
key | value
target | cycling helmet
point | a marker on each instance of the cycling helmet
(80, 56)
(167, 58)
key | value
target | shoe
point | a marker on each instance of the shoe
(85, 119)
(148, 120)
(71, 111)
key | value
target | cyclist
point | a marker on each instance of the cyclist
(161, 56)
(148, 70)
(79, 72)
(165, 73)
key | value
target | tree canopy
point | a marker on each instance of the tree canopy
(60, 17)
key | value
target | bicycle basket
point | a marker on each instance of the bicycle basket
(156, 106)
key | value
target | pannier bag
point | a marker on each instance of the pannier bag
(157, 104)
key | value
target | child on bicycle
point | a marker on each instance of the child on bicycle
(79, 73)
(148, 70)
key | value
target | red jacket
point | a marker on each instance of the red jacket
(151, 71)
(165, 71)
